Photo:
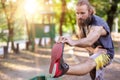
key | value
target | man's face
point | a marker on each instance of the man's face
(82, 14)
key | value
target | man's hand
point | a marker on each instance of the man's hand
(66, 40)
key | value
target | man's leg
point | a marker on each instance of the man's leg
(102, 59)
(82, 69)
(97, 61)
(94, 65)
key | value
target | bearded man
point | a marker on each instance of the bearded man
(95, 37)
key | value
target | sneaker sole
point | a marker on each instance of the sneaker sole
(54, 70)
(56, 56)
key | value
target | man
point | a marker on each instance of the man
(95, 37)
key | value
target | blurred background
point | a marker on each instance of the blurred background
(26, 19)
(25, 24)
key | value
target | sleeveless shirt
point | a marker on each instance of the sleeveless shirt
(104, 41)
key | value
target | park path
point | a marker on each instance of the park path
(27, 64)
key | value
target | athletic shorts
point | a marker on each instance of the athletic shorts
(102, 59)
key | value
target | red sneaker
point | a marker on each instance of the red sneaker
(58, 67)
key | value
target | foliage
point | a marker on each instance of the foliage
(101, 7)
(106, 11)
(3, 26)
(69, 20)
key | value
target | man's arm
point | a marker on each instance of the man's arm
(92, 37)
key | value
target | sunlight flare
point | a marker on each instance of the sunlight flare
(30, 6)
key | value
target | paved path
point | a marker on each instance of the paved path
(26, 65)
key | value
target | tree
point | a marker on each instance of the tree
(111, 13)
(62, 18)
(9, 11)
(107, 9)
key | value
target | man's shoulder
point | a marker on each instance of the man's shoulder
(96, 17)
(97, 20)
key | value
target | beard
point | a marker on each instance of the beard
(84, 22)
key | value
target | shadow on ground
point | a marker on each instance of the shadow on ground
(28, 64)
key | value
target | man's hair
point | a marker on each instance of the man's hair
(86, 2)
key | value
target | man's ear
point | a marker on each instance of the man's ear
(92, 11)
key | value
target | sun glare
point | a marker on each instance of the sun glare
(30, 6)
(11, 0)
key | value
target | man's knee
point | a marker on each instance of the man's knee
(91, 63)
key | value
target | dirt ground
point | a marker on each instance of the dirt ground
(26, 64)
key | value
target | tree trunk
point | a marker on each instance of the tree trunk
(27, 27)
(9, 24)
(62, 18)
(111, 14)
(5, 52)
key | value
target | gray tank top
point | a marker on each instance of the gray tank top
(104, 41)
